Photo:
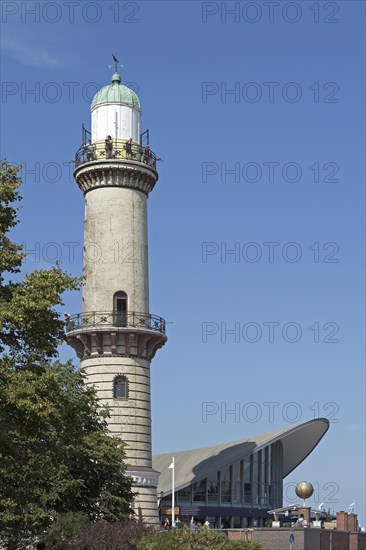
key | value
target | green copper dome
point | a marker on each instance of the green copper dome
(116, 93)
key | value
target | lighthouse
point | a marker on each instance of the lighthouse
(115, 335)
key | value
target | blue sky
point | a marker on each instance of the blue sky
(274, 93)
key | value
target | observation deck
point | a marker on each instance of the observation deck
(120, 150)
(121, 164)
(131, 334)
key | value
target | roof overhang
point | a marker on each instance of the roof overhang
(196, 464)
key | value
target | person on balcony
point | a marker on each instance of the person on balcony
(67, 319)
(108, 147)
(128, 148)
(90, 150)
(147, 155)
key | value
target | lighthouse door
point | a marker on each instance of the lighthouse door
(120, 309)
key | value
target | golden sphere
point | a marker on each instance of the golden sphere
(304, 489)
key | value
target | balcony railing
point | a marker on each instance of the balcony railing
(117, 149)
(102, 319)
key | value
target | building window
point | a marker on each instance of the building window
(185, 495)
(120, 309)
(227, 485)
(120, 390)
(225, 491)
(199, 491)
(248, 493)
(213, 491)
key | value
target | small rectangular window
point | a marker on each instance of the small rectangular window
(120, 388)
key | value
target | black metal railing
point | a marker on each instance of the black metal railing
(131, 319)
(117, 149)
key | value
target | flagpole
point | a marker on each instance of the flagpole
(173, 495)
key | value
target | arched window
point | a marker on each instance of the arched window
(120, 309)
(120, 390)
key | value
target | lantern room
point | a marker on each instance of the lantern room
(115, 111)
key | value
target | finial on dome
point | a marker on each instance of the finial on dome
(116, 78)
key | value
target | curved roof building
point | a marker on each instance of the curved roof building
(235, 484)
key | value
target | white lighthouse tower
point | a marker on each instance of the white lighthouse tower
(115, 335)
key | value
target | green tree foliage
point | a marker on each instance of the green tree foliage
(56, 455)
(330, 516)
(202, 539)
(62, 532)
(30, 326)
(111, 536)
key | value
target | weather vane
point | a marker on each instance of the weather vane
(116, 63)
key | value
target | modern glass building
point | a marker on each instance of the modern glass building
(235, 484)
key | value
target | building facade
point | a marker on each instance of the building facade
(115, 335)
(235, 485)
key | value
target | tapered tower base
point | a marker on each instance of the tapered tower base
(145, 502)
(116, 361)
